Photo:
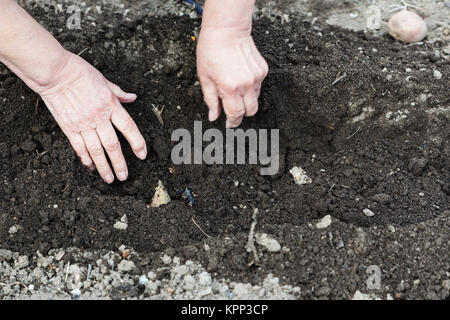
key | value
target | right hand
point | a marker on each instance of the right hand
(231, 70)
(87, 106)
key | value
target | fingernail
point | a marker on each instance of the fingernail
(122, 176)
(213, 115)
(228, 124)
(142, 155)
(109, 179)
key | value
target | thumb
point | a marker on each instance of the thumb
(120, 94)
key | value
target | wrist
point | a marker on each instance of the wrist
(228, 19)
(50, 71)
(224, 34)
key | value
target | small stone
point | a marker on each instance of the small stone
(368, 213)
(446, 284)
(193, 15)
(5, 255)
(126, 266)
(266, 241)
(59, 255)
(189, 282)
(407, 26)
(120, 225)
(323, 291)
(14, 229)
(364, 296)
(21, 262)
(180, 270)
(437, 74)
(204, 279)
(166, 259)
(324, 223)
(76, 293)
(300, 176)
(391, 228)
(143, 280)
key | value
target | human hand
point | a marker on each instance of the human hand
(231, 70)
(86, 106)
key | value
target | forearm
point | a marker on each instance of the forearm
(31, 52)
(235, 15)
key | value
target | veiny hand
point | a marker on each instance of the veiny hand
(86, 106)
(231, 70)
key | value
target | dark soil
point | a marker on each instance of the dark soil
(375, 162)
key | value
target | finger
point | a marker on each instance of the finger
(110, 142)
(251, 103)
(125, 124)
(234, 109)
(120, 94)
(262, 63)
(258, 89)
(211, 99)
(80, 149)
(97, 154)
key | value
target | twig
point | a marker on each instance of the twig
(158, 113)
(250, 246)
(81, 52)
(89, 271)
(357, 130)
(339, 79)
(200, 228)
(67, 272)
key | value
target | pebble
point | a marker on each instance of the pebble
(189, 282)
(76, 293)
(437, 74)
(300, 176)
(5, 255)
(268, 242)
(324, 223)
(323, 291)
(204, 279)
(446, 284)
(21, 262)
(13, 230)
(126, 266)
(120, 225)
(143, 280)
(368, 213)
(60, 255)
